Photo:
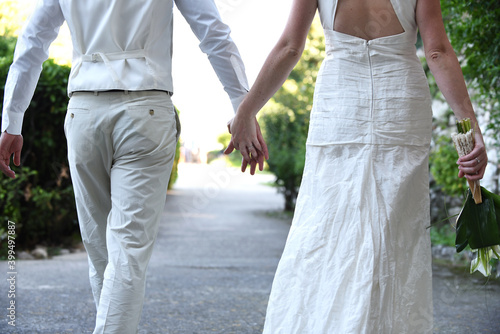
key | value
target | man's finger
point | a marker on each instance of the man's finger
(4, 167)
(253, 165)
(261, 162)
(264, 149)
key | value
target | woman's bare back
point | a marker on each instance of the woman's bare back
(367, 19)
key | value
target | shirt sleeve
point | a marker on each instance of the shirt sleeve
(215, 40)
(31, 51)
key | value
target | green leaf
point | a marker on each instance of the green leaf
(478, 224)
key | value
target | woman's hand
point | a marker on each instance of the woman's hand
(473, 165)
(247, 138)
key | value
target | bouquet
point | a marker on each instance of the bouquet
(478, 224)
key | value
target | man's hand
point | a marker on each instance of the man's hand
(247, 138)
(10, 144)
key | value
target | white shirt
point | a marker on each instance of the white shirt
(117, 44)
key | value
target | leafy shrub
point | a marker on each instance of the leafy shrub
(43, 215)
(285, 134)
(40, 200)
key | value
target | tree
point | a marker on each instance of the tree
(286, 118)
(473, 27)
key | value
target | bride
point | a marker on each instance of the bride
(357, 258)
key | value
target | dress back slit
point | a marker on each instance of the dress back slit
(367, 19)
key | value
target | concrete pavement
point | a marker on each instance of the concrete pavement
(220, 240)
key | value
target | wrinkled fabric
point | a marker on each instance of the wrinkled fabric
(120, 151)
(357, 258)
(118, 44)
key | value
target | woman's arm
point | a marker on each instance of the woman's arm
(445, 67)
(278, 65)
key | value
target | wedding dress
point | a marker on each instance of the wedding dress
(357, 258)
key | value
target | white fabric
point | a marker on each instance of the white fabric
(110, 28)
(120, 150)
(357, 258)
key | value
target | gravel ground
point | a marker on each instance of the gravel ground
(219, 243)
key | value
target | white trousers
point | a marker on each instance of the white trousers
(121, 148)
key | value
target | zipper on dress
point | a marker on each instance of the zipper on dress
(371, 78)
(371, 90)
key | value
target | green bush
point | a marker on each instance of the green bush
(285, 133)
(43, 215)
(40, 200)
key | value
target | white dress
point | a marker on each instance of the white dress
(357, 258)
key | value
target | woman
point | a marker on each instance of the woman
(357, 259)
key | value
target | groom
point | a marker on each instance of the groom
(121, 127)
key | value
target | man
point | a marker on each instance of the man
(121, 127)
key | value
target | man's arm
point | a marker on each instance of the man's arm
(215, 41)
(31, 51)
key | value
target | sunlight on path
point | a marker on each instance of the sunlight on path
(218, 175)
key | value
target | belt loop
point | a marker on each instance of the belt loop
(96, 92)
(125, 92)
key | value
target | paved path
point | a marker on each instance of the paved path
(219, 243)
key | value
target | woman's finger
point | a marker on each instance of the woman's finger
(474, 160)
(478, 152)
(230, 148)
(471, 170)
(475, 177)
